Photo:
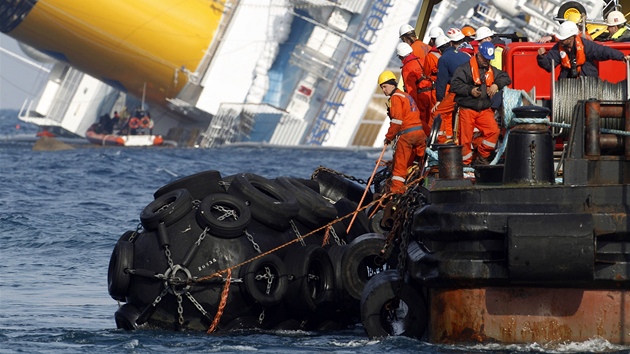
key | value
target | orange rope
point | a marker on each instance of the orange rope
(224, 296)
(326, 237)
(367, 188)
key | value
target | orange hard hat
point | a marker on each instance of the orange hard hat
(468, 31)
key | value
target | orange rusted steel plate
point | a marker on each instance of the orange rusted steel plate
(526, 315)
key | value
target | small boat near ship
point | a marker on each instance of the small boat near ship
(94, 137)
(135, 131)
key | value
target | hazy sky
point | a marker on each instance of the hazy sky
(18, 80)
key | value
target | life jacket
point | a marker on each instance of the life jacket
(580, 56)
(618, 33)
(474, 68)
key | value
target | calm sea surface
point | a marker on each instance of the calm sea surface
(61, 213)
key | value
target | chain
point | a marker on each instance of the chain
(180, 309)
(167, 252)
(132, 238)
(202, 236)
(336, 237)
(411, 200)
(269, 278)
(297, 233)
(250, 237)
(159, 297)
(226, 212)
(163, 207)
(532, 160)
(261, 317)
(326, 169)
(196, 203)
(197, 305)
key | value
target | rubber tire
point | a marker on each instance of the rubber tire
(229, 227)
(199, 185)
(269, 203)
(257, 288)
(126, 317)
(360, 255)
(378, 293)
(122, 258)
(336, 257)
(304, 295)
(168, 208)
(315, 211)
(375, 223)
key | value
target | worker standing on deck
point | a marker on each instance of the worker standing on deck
(408, 35)
(433, 34)
(405, 131)
(417, 85)
(617, 30)
(576, 55)
(449, 61)
(474, 83)
(431, 68)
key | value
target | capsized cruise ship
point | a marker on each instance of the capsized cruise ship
(212, 72)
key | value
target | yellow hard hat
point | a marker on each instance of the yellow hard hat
(386, 76)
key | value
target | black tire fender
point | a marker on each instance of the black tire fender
(199, 185)
(362, 260)
(118, 279)
(269, 203)
(168, 208)
(336, 253)
(225, 215)
(126, 317)
(315, 210)
(313, 278)
(377, 298)
(257, 288)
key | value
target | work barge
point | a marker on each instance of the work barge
(523, 256)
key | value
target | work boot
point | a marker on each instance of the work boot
(480, 161)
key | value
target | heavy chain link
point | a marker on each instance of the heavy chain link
(326, 169)
(167, 252)
(297, 233)
(202, 236)
(197, 305)
(336, 237)
(250, 238)
(410, 201)
(180, 309)
(261, 317)
(227, 212)
(269, 276)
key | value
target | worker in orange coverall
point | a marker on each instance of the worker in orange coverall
(474, 83)
(405, 131)
(417, 85)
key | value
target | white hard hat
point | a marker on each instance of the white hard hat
(403, 49)
(483, 32)
(435, 32)
(441, 40)
(566, 30)
(404, 29)
(615, 18)
(455, 34)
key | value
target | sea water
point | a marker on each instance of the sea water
(61, 213)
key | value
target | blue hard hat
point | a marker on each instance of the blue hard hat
(487, 50)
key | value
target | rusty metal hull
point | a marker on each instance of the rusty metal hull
(526, 315)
